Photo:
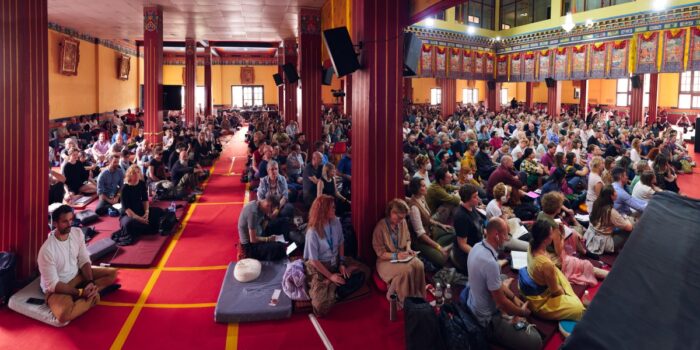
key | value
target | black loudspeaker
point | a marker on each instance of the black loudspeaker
(697, 135)
(491, 84)
(172, 97)
(341, 50)
(636, 81)
(411, 54)
(327, 76)
(550, 82)
(290, 73)
(278, 79)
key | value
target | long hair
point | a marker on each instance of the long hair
(600, 214)
(319, 214)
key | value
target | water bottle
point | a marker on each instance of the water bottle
(448, 293)
(393, 307)
(438, 294)
(173, 207)
(586, 298)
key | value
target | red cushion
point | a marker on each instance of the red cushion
(340, 148)
(379, 282)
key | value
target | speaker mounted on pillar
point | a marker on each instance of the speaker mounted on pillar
(341, 50)
(290, 73)
(636, 81)
(411, 54)
(278, 79)
(550, 82)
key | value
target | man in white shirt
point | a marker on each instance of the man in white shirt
(72, 286)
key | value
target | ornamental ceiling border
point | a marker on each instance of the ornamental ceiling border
(449, 38)
(118, 45)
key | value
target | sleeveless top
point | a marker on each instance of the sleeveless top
(328, 186)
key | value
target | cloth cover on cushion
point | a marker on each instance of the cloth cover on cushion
(247, 302)
(18, 302)
(247, 270)
(101, 248)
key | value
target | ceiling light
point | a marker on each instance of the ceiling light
(589, 23)
(471, 30)
(659, 5)
(568, 23)
(429, 22)
(498, 38)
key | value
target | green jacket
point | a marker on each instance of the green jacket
(437, 195)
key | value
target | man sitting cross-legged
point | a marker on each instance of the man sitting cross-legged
(72, 286)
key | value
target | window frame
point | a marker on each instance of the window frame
(463, 15)
(470, 95)
(586, 5)
(435, 96)
(619, 92)
(692, 93)
(256, 101)
(515, 6)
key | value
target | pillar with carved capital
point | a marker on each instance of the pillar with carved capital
(280, 88)
(554, 100)
(653, 97)
(310, 72)
(153, 73)
(290, 90)
(636, 103)
(583, 99)
(529, 99)
(208, 110)
(448, 100)
(190, 79)
(492, 96)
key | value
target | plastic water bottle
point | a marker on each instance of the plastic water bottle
(438, 294)
(173, 207)
(448, 293)
(393, 307)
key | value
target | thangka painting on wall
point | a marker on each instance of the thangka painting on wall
(516, 64)
(598, 59)
(502, 68)
(674, 47)
(440, 62)
(618, 59)
(455, 63)
(561, 63)
(544, 66)
(529, 66)
(694, 54)
(467, 64)
(579, 55)
(489, 65)
(70, 56)
(478, 65)
(647, 49)
(426, 61)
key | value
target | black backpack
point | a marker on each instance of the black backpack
(8, 263)
(421, 326)
(349, 236)
(167, 223)
(460, 329)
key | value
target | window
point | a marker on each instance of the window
(647, 85)
(435, 96)
(247, 96)
(689, 92)
(198, 98)
(586, 5)
(520, 12)
(624, 87)
(470, 96)
(504, 96)
(479, 13)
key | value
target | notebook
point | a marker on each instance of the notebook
(406, 259)
(519, 259)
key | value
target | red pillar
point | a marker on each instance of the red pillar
(310, 73)
(24, 114)
(529, 95)
(208, 110)
(653, 96)
(290, 90)
(448, 102)
(190, 79)
(347, 101)
(636, 102)
(377, 168)
(408, 90)
(554, 100)
(280, 88)
(583, 99)
(153, 72)
(492, 97)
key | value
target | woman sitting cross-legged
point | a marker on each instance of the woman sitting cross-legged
(608, 229)
(433, 239)
(391, 241)
(77, 176)
(332, 276)
(137, 218)
(329, 186)
(545, 287)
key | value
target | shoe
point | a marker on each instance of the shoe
(109, 289)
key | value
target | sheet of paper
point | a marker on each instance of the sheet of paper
(568, 231)
(482, 211)
(519, 232)
(291, 248)
(519, 259)
(533, 195)
(582, 217)
(280, 238)
(117, 206)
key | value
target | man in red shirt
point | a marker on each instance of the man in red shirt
(504, 173)
(548, 158)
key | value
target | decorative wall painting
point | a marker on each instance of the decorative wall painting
(674, 47)
(489, 66)
(647, 49)
(529, 66)
(467, 64)
(426, 61)
(544, 64)
(455, 63)
(502, 68)
(440, 62)
(516, 67)
(598, 60)
(123, 67)
(561, 64)
(478, 65)
(69, 57)
(618, 59)
(579, 55)
(694, 54)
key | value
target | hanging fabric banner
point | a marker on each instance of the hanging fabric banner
(479, 65)
(440, 62)
(467, 64)
(597, 60)
(426, 61)
(529, 66)
(647, 49)
(561, 63)
(694, 54)
(455, 63)
(489, 66)
(618, 58)
(516, 67)
(674, 46)
(579, 57)
(502, 68)
(544, 64)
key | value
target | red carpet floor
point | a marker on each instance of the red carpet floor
(171, 305)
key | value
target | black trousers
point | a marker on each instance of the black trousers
(267, 251)
(102, 207)
(133, 228)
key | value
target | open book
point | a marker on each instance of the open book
(406, 259)
(519, 259)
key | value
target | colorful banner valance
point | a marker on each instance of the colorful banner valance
(441, 62)
(694, 54)
(618, 59)
(598, 60)
(479, 65)
(516, 67)
(529, 66)
(467, 64)
(489, 68)
(426, 61)
(579, 59)
(455, 63)
(502, 68)
(544, 64)
(673, 50)
(561, 63)
(647, 53)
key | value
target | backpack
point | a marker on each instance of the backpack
(421, 326)
(167, 223)
(8, 263)
(86, 217)
(460, 330)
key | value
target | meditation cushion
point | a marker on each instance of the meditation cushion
(101, 248)
(18, 303)
(379, 282)
(247, 270)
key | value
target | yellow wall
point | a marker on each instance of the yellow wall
(421, 89)
(112, 92)
(327, 94)
(602, 91)
(668, 89)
